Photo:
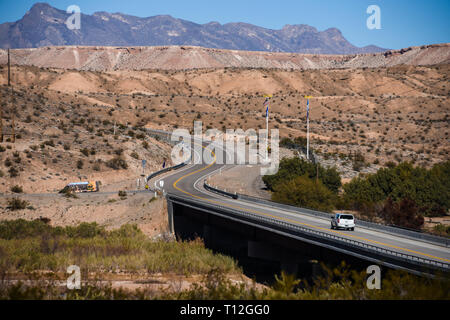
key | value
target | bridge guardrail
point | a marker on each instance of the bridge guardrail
(221, 192)
(157, 173)
(326, 215)
(423, 262)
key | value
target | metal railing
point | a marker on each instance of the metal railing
(326, 215)
(159, 172)
(221, 192)
(337, 240)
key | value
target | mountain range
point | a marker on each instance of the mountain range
(44, 25)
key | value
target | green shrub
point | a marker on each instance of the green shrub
(442, 229)
(50, 143)
(358, 161)
(85, 152)
(295, 167)
(20, 229)
(16, 189)
(34, 245)
(17, 204)
(429, 189)
(13, 172)
(117, 163)
(134, 155)
(304, 192)
(404, 214)
(85, 230)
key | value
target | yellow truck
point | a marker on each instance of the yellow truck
(88, 186)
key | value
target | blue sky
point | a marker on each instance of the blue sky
(404, 23)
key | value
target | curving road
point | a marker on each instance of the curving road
(189, 182)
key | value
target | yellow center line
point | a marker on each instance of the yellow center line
(286, 219)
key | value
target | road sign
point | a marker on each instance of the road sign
(144, 162)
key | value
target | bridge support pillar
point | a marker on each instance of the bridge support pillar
(289, 261)
(170, 216)
(289, 267)
(207, 235)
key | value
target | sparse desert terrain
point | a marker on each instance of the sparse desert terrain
(97, 58)
(65, 119)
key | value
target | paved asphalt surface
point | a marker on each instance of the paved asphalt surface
(188, 181)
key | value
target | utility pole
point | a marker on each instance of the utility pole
(317, 172)
(307, 126)
(13, 131)
(266, 104)
(13, 109)
(13, 106)
(9, 72)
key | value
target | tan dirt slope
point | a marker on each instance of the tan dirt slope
(188, 57)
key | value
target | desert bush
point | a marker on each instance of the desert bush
(134, 155)
(85, 152)
(117, 163)
(358, 161)
(50, 143)
(13, 172)
(80, 164)
(68, 193)
(16, 189)
(85, 230)
(442, 230)
(17, 204)
(404, 214)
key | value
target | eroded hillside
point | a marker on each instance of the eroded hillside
(388, 114)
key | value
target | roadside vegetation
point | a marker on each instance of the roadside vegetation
(400, 194)
(26, 246)
(334, 284)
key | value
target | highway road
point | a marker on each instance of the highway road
(188, 182)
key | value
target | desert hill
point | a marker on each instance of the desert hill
(181, 58)
(388, 114)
